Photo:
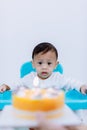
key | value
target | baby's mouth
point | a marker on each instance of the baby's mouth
(44, 73)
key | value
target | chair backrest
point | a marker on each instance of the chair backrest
(27, 67)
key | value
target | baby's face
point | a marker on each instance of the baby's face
(45, 64)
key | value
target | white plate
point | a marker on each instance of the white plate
(7, 119)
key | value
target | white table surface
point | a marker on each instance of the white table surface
(7, 119)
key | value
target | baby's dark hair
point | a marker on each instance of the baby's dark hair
(43, 48)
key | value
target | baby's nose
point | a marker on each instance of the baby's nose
(44, 65)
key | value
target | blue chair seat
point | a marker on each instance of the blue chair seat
(5, 99)
(74, 99)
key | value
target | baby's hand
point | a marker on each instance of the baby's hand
(4, 87)
(83, 89)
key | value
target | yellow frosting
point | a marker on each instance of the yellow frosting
(27, 103)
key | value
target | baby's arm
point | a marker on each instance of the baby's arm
(4, 87)
(21, 82)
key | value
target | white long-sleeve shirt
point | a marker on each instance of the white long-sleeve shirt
(55, 80)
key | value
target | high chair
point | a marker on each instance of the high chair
(6, 97)
(74, 99)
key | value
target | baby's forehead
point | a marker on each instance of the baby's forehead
(44, 57)
(48, 54)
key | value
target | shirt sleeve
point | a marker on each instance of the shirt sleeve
(69, 83)
(26, 81)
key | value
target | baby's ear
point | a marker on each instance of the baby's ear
(56, 64)
(32, 64)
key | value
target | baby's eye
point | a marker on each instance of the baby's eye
(40, 63)
(49, 63)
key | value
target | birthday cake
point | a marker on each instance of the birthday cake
(27, 102)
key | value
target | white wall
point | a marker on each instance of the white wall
(25, 23)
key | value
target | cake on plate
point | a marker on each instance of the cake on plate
(27, 102)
